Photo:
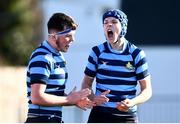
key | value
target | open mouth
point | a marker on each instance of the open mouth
(110, 34)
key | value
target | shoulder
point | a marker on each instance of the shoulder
(100, 47)
(40, 54)
(133, 48)
(135, 51)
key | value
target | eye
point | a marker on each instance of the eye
(105, 22)
(114, 22)
(68, 35)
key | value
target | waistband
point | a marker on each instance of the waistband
(41, 112)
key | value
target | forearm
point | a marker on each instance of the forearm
(146, 91)
(51, 100)
(87, 83)
(39, 97)
(144, 96)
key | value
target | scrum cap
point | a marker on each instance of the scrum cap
(121, 16)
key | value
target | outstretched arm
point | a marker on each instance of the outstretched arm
(39, 97)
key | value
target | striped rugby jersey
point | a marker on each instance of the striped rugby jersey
(117, 71)
(46, 66)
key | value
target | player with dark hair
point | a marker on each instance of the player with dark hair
(47, 74)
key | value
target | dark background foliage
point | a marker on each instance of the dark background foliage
(20, 30)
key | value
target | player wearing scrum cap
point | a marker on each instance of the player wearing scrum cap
(118, 67)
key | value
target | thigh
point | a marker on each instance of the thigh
(103, 117)
(99, 117)
(125, 119)
(37, 120)
(43, 119)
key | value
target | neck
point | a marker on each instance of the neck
(118, 45)
(53, 44)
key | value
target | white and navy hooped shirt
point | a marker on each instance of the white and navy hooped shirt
(46, 66)
(117, 71)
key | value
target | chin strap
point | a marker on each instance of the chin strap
(117, 39)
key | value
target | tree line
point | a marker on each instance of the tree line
(20, 30)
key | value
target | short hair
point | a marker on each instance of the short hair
(61, 22)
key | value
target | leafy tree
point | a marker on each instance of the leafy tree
(20, 30)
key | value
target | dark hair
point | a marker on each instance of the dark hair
(61, 22)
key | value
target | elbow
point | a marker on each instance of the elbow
(149, 95)
(36, 99)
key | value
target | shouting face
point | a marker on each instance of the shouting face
(112, 29)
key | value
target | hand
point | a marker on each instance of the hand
(124, 105)
(101, 98)
(85, 104)
(74, 96)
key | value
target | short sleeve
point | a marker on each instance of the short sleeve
(39, 69)
(141, 65)
(92, 64)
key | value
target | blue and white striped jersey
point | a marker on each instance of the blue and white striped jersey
(46, 66)
(117, 71)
